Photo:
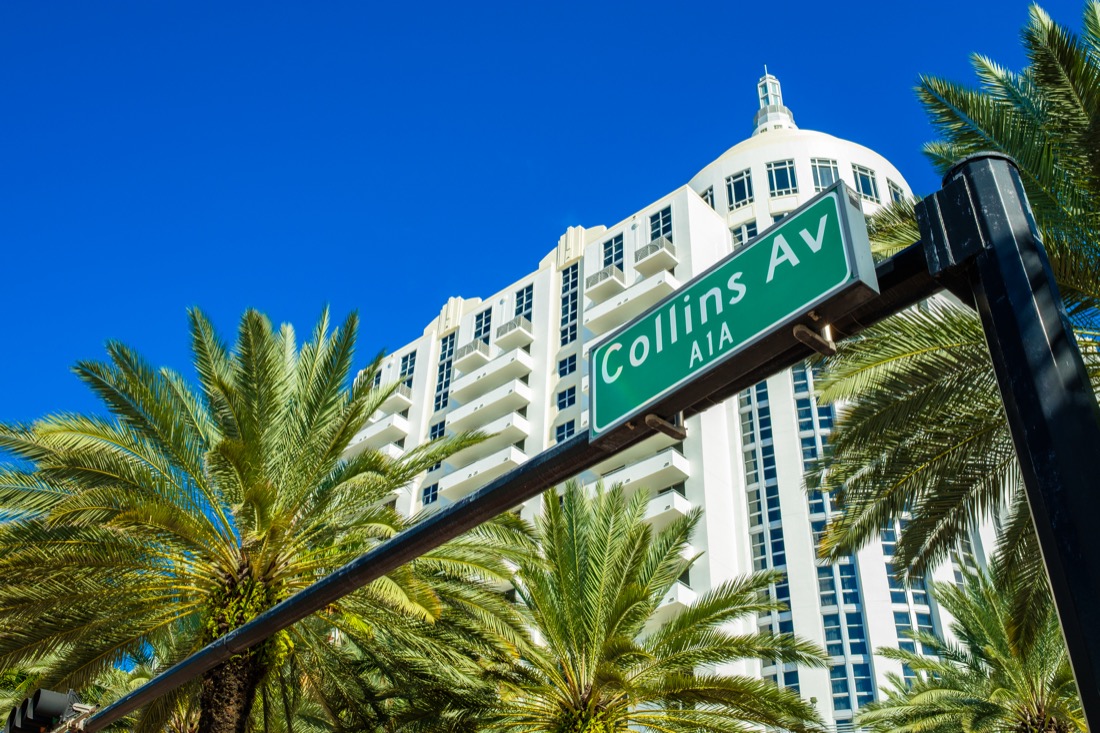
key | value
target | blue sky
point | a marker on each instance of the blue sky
(284, 156)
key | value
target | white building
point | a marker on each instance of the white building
(514, 364)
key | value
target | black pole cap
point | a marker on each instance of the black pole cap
(953, 171)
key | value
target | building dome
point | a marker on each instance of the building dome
(780, 167)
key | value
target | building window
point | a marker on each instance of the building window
(408, 366)
(570, 279)
(613, 252)
(838, 676)
(567, 366)
(896, 194)
(708, 196)
(483, 325)
(443, 376)
(865, 685)
(825, 173)
(739, 189)
(826, 586)
(743, 234)
(660, 224)
(866, 185)
(781, 179)
(429, 494)
(525, 301)
(436, 430)
(565, 431)
(567, 398)
(834, 638)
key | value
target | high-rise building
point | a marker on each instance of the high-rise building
(514, 364)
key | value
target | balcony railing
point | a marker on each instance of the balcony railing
(516, 332)
(471, 356)
(464, 480)
(399, 399)
(605, 283)
(506, 398)
(656, 256)
(509, 365)
(631, 302)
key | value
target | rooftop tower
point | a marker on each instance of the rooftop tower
(772, 115)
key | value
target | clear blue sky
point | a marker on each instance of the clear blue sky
(159, 155)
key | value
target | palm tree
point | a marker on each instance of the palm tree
(187, 513)
(604, 666)
(995, 679)
(924, 431)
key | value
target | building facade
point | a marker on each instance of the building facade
(514, 365)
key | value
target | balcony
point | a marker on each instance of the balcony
(631, 302)
(389, 429)
(656, 256)
(607, 282)
(515, 333)
(633, 454)
(479, 411)
(392, 451)
(653, 473)
(460, 483)
(665, 508)
(507, 366)
(400, 399)
(470, 356)
(503, 431)
(678, 598)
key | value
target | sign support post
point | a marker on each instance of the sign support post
(980, 225)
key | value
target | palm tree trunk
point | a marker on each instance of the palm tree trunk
(228, 692)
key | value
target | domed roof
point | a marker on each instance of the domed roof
(789, 140)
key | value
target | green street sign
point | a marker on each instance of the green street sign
(816, 255)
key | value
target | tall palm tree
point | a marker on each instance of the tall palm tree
(924, 431)
(188, 512)
(603, 666)
(995, 679)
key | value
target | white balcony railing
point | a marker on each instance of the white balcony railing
(471, 356)
(509, 365)
(468, 478)
(515, 333)
(656, 256)
(605, 283)
(652, 473)
(631, 302)
(504, 431)
(398, 400)
(485, 408)
(388, 429)
(664, 508)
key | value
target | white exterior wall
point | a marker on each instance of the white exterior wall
(710, 465)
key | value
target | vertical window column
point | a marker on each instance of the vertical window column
(570, 296)
(408, 367)
(443, 376)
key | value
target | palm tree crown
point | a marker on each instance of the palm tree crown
(924, 433)
(604, 666)
(187, 513)
(1001, 676)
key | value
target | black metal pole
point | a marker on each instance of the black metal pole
(981, 223)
